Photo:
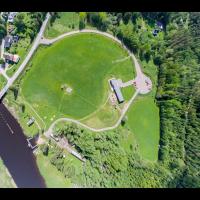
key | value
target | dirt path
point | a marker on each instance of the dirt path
(50, 130)
(141, 80)
(143, 83)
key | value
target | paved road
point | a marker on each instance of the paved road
(140, 79)
(2, 71)
(23, 65)
(50, 130)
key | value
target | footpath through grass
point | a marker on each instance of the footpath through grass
(144, 120)
(83, 62)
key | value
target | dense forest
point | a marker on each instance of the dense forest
(178, 96)
(176, 53)
(177, 56)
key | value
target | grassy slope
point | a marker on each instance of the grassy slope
(107, 115)
(76, 61)
(5, 180)
(3, 81)
(53, 178)
(23, 118)
(62, 24)
(143, 119)
(104, 117)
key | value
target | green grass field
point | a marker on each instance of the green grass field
(53, 178)
(3, 81)
(143, 119)
(5, 179)
(84, 62)
(104, 117)
(67, 21)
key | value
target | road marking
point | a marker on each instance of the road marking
(4, 120)
(10, 128)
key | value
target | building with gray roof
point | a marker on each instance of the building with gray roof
(117, 89)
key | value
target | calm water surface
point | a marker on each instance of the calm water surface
(15, 153)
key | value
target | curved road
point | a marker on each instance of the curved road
(24, 63)
(90, 128)
(140, 79)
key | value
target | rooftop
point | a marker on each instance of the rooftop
(115, 85)
(8, 41)
(14, 58)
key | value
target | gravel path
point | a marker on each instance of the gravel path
(141, 80)
(50, 130)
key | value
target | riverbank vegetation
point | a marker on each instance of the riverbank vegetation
(132, 155)
(5, 180)
(59, 168)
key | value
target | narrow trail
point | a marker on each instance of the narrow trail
(47, 133)
(121, 60)
(141, 80)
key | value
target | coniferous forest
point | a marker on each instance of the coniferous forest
(176, 54)
(177, 57)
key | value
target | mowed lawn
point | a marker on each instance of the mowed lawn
(5, 179)
(53, 178)
(66, 21)
(144, 120)
(84, 62)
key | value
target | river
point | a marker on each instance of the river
(15, 153)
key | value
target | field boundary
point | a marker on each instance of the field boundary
(50, 130)
(40, 118)
(140, 77)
